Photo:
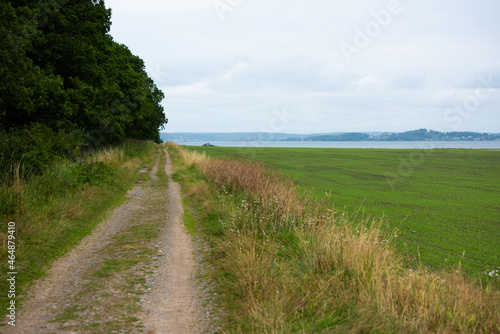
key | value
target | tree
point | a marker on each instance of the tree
(60, 68)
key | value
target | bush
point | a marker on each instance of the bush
(94, 173)
(36, 147)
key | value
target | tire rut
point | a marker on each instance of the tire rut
(107, 284)
(173, 305)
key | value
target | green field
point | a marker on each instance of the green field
(443, 202)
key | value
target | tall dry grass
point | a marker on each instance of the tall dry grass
(112, 156)
(246, 176)
(289, 264)
(255, 178)
(190, 158)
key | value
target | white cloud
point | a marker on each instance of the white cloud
(158, 6)
(369, 81)
(194, 90)
(239, 67)
(230, 75)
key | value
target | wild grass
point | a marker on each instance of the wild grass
(443, 203)
(286, 263)
(121, 266)
(56, 209)
(191, 158)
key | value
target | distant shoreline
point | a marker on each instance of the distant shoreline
(408, 136)
(489, 145)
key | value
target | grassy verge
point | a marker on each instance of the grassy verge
(444, 202)
(288, 263)
(54, 211)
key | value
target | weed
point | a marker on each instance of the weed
(449, 204)
(286, 262)
(55, 209)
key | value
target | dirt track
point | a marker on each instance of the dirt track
(153, 291)
(173, 306)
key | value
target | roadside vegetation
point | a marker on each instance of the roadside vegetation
(53, 211)
(443, 203)
(288, 262)
(62, 72)
(78, 116)
(109, 299)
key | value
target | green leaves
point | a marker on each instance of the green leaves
(61, 69)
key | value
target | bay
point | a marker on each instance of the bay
(357, 144)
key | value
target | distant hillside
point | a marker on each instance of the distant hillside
(350, 136)
(415, 135)
(233, 136)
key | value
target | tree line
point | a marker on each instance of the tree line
(414, 135)
(66, 85)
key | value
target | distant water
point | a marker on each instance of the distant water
(357, 144)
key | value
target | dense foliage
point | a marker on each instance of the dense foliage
(66, 85)
(350, 136)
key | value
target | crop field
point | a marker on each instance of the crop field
(443, 205)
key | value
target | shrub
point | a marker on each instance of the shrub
(94, 173)
(36, 147)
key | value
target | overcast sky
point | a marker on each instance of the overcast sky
(319, 66)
